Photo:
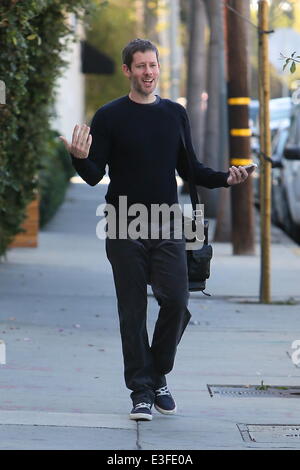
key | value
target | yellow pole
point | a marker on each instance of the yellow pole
(265, 142)
(261, 146)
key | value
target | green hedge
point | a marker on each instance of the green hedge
(54, 177)
(31, 44)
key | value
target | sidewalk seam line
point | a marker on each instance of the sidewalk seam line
(138, 445)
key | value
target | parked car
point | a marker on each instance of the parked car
(280, 118)
(286, 176)
(279, 199)
(280, 112)
(278, 142)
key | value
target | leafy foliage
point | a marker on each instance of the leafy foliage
(54, 177)
(291, 61)
(31, 44)
(112, 27)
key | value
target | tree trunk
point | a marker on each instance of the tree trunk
(196, 75)
(213, 133)
(196, 79)
(140, 17)
(150, 22)
(223, 223)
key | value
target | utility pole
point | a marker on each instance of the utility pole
(265, 148)
(243, 235)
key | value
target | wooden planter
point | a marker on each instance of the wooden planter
(29, 238)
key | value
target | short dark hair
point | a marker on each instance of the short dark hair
(137, 45)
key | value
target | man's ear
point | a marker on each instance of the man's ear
(126, 70)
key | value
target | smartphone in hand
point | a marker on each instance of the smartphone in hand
(250, 168)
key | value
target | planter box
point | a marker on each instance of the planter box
(29, 238)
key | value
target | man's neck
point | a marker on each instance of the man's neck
(142, 99)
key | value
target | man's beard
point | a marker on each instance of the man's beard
(137, 87)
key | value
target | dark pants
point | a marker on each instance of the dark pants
(161, 263)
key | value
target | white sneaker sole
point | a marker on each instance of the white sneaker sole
(140, 416)
(165, 412)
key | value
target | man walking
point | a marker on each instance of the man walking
(138, 137)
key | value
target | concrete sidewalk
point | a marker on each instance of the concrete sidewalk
(62, 386)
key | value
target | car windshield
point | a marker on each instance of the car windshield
(294, 134)
(279, 142)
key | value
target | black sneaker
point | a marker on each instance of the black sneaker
(141, 411)
(164, 402)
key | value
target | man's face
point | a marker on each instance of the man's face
(144, 72)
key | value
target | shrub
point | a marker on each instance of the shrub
(54, 176)
(31, 44)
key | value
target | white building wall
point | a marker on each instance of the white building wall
(70, 106)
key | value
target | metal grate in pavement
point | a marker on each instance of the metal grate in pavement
(254, 391)
(270, 433)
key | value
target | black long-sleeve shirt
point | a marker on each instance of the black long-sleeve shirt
(142, 147)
